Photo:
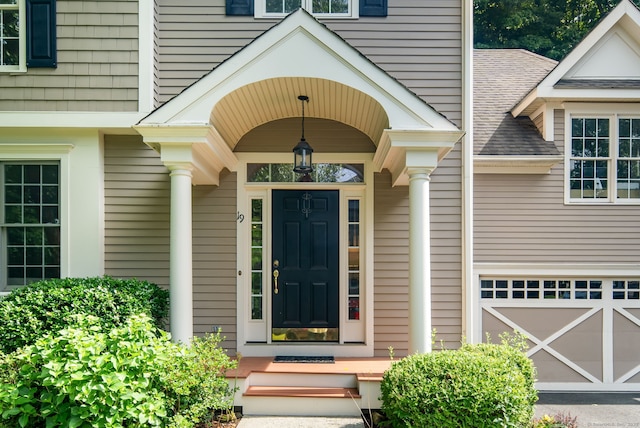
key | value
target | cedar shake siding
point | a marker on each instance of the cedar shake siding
(97, 67)
(418, 43)
(523, 219)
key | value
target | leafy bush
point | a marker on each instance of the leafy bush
(484, 385)
(43, 307)
(127, 376)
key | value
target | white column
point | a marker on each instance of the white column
(181, 269)
(419, 262)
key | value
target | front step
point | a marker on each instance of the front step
(301, 391)
(344, 388)
(301, 394)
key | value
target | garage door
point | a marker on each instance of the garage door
(584, 334)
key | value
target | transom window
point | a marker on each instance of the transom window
(604, 163)
(333, 8)
(322, 173)
(30, 227)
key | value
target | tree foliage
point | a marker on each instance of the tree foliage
(547, 27)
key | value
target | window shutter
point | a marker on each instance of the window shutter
(41, 33)
(240, 7)
(373, 7)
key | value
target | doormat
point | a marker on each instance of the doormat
(296, 359)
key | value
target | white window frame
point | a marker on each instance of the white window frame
(613, 113)
(260, 10)
(22, 63)
(45, 153)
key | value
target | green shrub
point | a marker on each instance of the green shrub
(30, 312)
(484, 385)
(128, 376)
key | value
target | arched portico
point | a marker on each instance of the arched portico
(196, 134)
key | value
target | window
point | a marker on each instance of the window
(322, 173)
(10, 32)
(320, 8)
(541, 289)
(27, 34)
(30, 228)
(604, 163)
(257, 250)
(316, 7)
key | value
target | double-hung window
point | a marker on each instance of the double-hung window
(604, 159)
(30, 227)
(317, 7)
(11, 34)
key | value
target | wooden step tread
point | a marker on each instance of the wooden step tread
(301, 391)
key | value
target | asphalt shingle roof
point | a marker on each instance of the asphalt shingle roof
(502, 77)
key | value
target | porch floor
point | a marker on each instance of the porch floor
(365, 369)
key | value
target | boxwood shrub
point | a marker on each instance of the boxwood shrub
(131, 375)
(487, 385)
(32, 311)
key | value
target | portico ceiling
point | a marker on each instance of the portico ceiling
(277, 98)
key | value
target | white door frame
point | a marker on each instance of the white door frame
(253, 336)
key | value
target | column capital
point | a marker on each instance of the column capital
(417, 172)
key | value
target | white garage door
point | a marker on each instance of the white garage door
(584, 334)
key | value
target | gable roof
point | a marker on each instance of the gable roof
(501, 78)
(298, 55)
(604, 66)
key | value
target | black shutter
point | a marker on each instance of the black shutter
(373, 7)
(240, 7)
(41, 33)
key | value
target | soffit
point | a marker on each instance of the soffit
(267, 100)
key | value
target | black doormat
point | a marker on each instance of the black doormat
(296, 359)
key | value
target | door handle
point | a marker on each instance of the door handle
(276, 273)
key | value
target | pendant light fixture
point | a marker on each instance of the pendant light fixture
(302, 152)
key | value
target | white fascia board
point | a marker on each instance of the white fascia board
(515, 164)
(529, 99)
(65, 119)
(320, 54)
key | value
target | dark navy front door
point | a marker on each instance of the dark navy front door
(305, 265)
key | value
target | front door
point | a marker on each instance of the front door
(305, 265)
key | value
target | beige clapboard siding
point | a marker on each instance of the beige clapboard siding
(97, 43)
(522, 218)
(391, 259)
(419, 44)
(391, 267)
(214, 259)
(446, 250)
(137, 200)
